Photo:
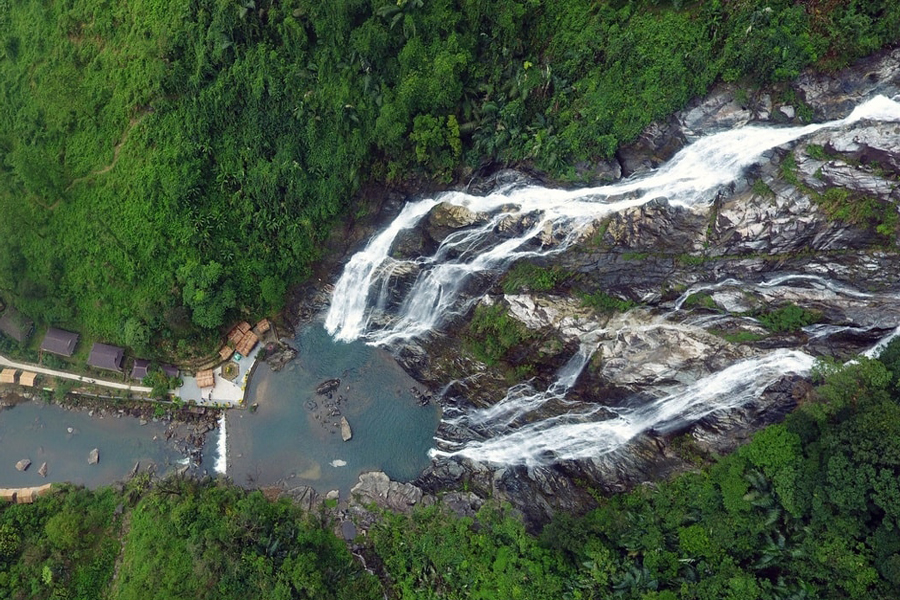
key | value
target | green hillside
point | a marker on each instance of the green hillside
(167, 164)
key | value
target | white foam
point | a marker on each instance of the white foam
(221, 465)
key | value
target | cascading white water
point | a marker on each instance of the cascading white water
(221, 465)
(515, 432)
(690, 179)
(523, 399)
(578, 435)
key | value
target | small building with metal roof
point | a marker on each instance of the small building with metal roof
(104, 356)
(59, 341)
(140, 369)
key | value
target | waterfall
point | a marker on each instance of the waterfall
(517, 430)
(579, 434)
(690, 179)
(221, 465)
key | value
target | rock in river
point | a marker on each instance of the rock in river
(329, 385)
(43, 470)
(23, 464)
(94, 456)
(346, 433)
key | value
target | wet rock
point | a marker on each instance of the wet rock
(280, 355)
(464, 504)
(719, 110)
(834, 95)
(43, 470)
(875, 144)
(515, 225)
(445, 218)
(346, 433)
(304, 496)
(333, 495)
(657, 143)
(23, 464)
(603, 171)
(377, 487)
(412, 243)
(503, 179)
(348, 530)
(328, 386)
(94, 456)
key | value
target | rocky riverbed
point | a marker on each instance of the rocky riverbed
(166, 438)
(812, 225)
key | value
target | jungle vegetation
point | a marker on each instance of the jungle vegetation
(168, 166)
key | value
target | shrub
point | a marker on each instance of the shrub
(492, 333)
(789, 318)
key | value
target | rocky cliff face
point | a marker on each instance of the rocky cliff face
(799, 252)
(813, 226)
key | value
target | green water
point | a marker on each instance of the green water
(40, 432)
(283, 442)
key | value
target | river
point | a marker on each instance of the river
(63, 439)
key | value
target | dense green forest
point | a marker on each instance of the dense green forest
(809, 509)
(167, 165)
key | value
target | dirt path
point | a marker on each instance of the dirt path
(117, 149)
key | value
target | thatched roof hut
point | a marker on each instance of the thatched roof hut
(263, 326)
(27, 378)
(206, 379)
(247, 343)
(8, 376)
(226, 352)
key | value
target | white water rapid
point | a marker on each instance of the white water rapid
(579, 434)
(516, 430)
(221, 465)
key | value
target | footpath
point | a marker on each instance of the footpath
(82, 378)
